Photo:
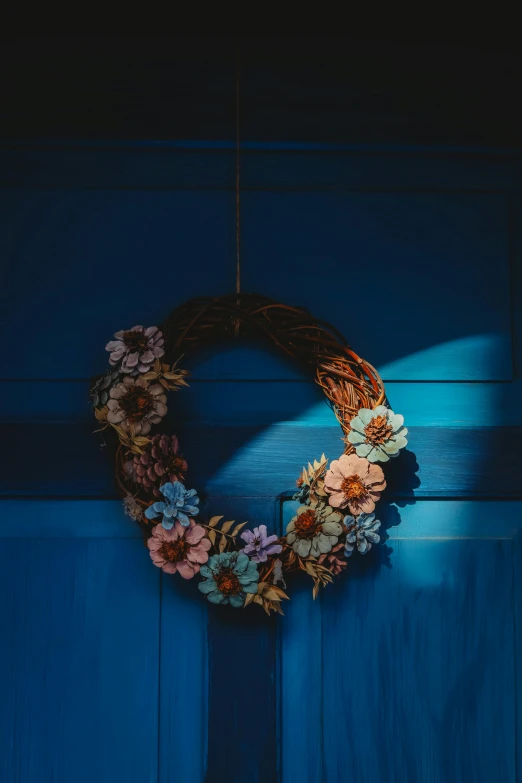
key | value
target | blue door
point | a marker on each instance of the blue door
(405, 671)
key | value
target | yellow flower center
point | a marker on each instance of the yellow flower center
(353, 488)
(306, 525)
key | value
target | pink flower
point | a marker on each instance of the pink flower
(135, 350)
(181, 549)
(354, 482)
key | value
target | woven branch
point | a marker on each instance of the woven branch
(348, 381)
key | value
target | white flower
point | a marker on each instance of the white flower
(378, 434)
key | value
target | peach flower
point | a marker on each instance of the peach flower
(353, 482)
(181, 549)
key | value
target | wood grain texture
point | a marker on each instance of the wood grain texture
(183, 683)
(79, 630)
(234, 401)
(262, 461)
(242, 743)
(420, 638)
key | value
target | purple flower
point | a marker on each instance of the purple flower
(259, 545)
(135, 350)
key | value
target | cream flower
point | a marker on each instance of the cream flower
(135, 406)
(314, 530)
(353, 482)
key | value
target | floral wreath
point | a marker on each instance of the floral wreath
(238, 565)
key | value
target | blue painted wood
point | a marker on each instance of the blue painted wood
(425, 689)
(59, 247)
(422, 643)
(79, 630)
(413, 669)
(183, 678)
(265, 460)
(262, 402)
(301, 707)
(156, 165)
(242, 675)
(349, 236)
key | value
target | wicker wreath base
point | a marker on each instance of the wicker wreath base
(336, 518)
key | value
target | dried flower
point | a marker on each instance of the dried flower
(131, 507)
(259, 545)
(159, 462)
(101, 388)
(378, 434)
(353, 482)
(135, 406)
(333, 560)
(362, 532)
(180, 504)
(229, 577)
(314, 530)
(179, 549)
(135, 350)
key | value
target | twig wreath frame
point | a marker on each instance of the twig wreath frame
(241, 566)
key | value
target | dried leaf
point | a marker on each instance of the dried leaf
(261, 586)
(237, 529)
(149, 376)
(277, 608)
(258, 600)
(141, 440)
(270, 593)
(164, 383)
(225, 527)
(157, 365)
(309, 568)
(212, 536)
(249, 598)
(315, 591)
(222, 544)
(280, 593)
(101, 413)
(213, 522)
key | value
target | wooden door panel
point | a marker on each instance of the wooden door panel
(79, 623)
(409, 663)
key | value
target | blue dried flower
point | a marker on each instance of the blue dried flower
(180, 504)
(362, 532)
(228, 578)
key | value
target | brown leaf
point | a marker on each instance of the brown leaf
(101, 413)
(280, 593)
(225, 527)
(249, 598)
(222, 544)
(237, 529)
(149, 376)
(140, 440)
(270, 593)
(164, 383)
(157, 365)
(214, 520)
(212, 536)
(278, 609)
(310, 569)
(258, 600)
(315, 591)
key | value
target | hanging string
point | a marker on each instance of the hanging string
(238, 205)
